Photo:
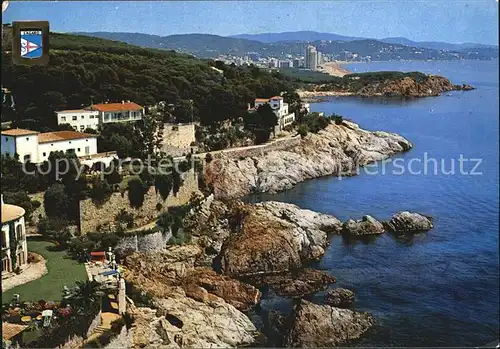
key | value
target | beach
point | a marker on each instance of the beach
(334, 69)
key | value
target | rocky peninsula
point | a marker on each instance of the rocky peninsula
(383, 84)
(337, 150)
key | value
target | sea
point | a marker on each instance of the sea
(440, 288)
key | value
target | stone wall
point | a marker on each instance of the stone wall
(140, 242)
(97, 217)
(178, 136)
(260, 150)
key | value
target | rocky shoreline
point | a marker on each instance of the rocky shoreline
(407, 87)
(199, 294)
(338, 150)
(196, 295)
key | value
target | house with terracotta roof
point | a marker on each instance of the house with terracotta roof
(36, 147)
(280, 108)
(14, 246)
(97, 114)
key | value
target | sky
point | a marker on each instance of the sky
(454, 21)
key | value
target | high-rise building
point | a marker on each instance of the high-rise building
(320, 58)
(311, 60)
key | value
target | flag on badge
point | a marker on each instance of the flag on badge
(31, 44)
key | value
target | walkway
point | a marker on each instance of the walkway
(32, 272)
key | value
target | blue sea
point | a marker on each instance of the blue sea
(440, 288)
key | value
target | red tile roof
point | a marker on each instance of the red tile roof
(18, 132)
(62, 136)
(116, 106)
(73, 111)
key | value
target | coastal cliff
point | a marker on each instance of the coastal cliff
(384, 84)
(337, 150)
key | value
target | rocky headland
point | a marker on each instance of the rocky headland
(384, 84)
(337, 150)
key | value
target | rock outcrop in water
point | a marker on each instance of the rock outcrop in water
(275, 237)
(315, 325)
(339, 297)
(408, 223)
(366, 226)
(337, 150)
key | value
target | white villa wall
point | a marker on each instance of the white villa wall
(120, 116)
(78, 145)
(22, 145)
(84, 119)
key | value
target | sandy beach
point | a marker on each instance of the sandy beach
(334, 69)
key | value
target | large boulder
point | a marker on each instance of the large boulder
(275, 237)
(315, 325)
(236, 293)
(366, 226)
(295, 284)
(339, 297)
(408, 222)
(180, 321)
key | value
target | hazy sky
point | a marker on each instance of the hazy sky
(438, 20)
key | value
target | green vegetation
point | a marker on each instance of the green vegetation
(307, 76)
(84, 70)
(61, 271)
(312, 122)
(20, 198)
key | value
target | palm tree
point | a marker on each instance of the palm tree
(85, 295)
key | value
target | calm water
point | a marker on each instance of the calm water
(440, 288)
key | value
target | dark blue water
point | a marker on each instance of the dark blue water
(440, 288)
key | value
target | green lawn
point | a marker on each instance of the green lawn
(61, 271)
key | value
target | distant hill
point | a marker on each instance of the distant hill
(309, 36)
(299, 36)
(200, 45)
(211, 46)
(436, 44)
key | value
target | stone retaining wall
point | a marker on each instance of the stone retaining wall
(140, 242)
(99, 217)
(260, 150)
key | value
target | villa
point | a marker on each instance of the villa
(280, 109)
(14, 246)
(95, 115)
(36, 147)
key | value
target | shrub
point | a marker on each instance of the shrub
(208, 158)
(126, 218)
(101, 191)
(337, 119)
(56, 202)
(302, 130)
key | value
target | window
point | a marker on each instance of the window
(19, 232)
(83, 117)
(75, 117)
(4, 240)
(91, 116)
(87, 150)
(5, 265)
(6, 139)
(70, 151)
(69, 142)
(78, 149)
(63, 119)
(27, 158)
(75, 128)
(44, 154)
(27, 139)
(82, 128)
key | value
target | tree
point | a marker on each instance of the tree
(136, 192)
(101, 191)
(184, 112)
(148, 136)
(85, 295)
(163, 184)
(20, 198)
(55, 201)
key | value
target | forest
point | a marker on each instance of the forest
(85, 70)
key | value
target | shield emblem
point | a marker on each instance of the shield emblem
(31, 43)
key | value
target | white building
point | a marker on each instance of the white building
(79, 119)
(36, 147)
(98, 114)
(311, 59)
(280, 108)
(14, 246)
